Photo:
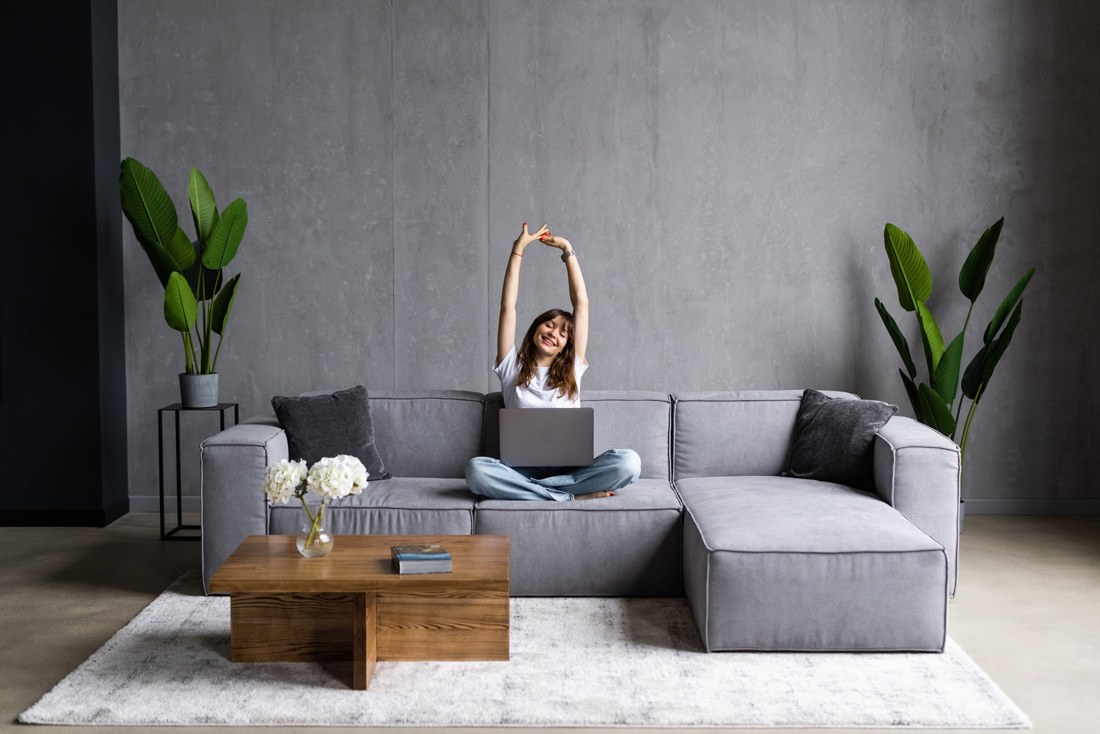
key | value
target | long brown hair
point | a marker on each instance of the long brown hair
(561, 369)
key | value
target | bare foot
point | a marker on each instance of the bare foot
(593, 496)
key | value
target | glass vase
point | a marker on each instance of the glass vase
(314, 538)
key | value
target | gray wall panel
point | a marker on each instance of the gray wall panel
(330, 325)
(286, 105)
(724, 169)
(441, 171)
(607, 130)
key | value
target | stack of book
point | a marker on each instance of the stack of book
(421, 559)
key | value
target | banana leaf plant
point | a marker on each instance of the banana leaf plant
(191, 271)
(934, 401)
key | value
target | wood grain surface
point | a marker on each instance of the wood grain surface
(440, 626)
(351, 605)
(271, 563)
(291, 628)
(365, 646)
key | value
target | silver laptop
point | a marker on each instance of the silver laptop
(546, 436)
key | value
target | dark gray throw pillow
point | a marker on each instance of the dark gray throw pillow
(329, 425)
(834, 439)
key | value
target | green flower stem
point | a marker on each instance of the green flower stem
(214, 367)
(192, 359)
(209, 322)
(314, 519)
(200, 359)
(960, 410)
(202, 348)
(966, 429)
(186, 351)
(206, 337)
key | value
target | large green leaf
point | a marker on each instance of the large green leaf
(223, 304)
(180, 309)
(163, 263)
(181, 250)
(980, 369)
(1006, 306)
(930, 337)
(945, 381)
(972, 275)
(899, 339)
(225, 236)
(151, 213)
(914, 397)
(907, 265)
(972, 377)
(211, 278)
(146, 204)
(1001, 344)
(212, 281)
(204, 211)
(936, 412)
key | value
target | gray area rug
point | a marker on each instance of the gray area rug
(575, 662)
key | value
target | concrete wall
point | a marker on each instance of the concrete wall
(724, 170)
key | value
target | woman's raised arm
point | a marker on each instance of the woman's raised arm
(578, 295)
(506, 326)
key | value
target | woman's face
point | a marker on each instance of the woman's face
(551, 336)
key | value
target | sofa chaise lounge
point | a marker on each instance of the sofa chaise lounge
(766, 562)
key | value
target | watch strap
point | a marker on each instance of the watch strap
(566, 255)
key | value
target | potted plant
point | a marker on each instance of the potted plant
(934, 400)
(191, 272)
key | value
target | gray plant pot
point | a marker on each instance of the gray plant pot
(198, 391)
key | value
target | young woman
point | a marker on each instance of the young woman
(545, 372)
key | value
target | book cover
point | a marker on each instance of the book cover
(420, 559)
(420, 553)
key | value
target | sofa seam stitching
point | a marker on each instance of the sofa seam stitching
(879, 552)
(670, 436)
(706, 586)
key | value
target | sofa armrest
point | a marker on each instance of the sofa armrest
(233, 505)
(917, 470)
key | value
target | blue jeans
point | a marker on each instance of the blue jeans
(611, 470)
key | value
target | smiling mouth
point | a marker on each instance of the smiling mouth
(547, 342)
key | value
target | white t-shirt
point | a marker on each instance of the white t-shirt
(537, 394)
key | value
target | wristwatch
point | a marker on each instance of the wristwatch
(566, 255)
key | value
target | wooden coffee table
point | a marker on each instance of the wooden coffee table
(350, 605)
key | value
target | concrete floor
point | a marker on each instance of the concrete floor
(1027, 611)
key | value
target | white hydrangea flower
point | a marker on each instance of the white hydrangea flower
(334, 477)
(283, 479)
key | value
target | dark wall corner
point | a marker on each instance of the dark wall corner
(63, 381)
(109, 264)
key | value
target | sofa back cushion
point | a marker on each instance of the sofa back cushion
(730, 434)
(624, 419)
(426, 433)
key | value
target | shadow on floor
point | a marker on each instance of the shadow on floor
(126, 561)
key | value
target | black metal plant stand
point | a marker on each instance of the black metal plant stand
(178, 408)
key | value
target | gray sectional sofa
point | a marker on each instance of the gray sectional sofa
(766, 562)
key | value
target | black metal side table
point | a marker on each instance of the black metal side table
(178, 408)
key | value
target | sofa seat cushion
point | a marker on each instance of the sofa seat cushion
(779, 514)
(626, 545)
(774, 563)
(398, 506)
